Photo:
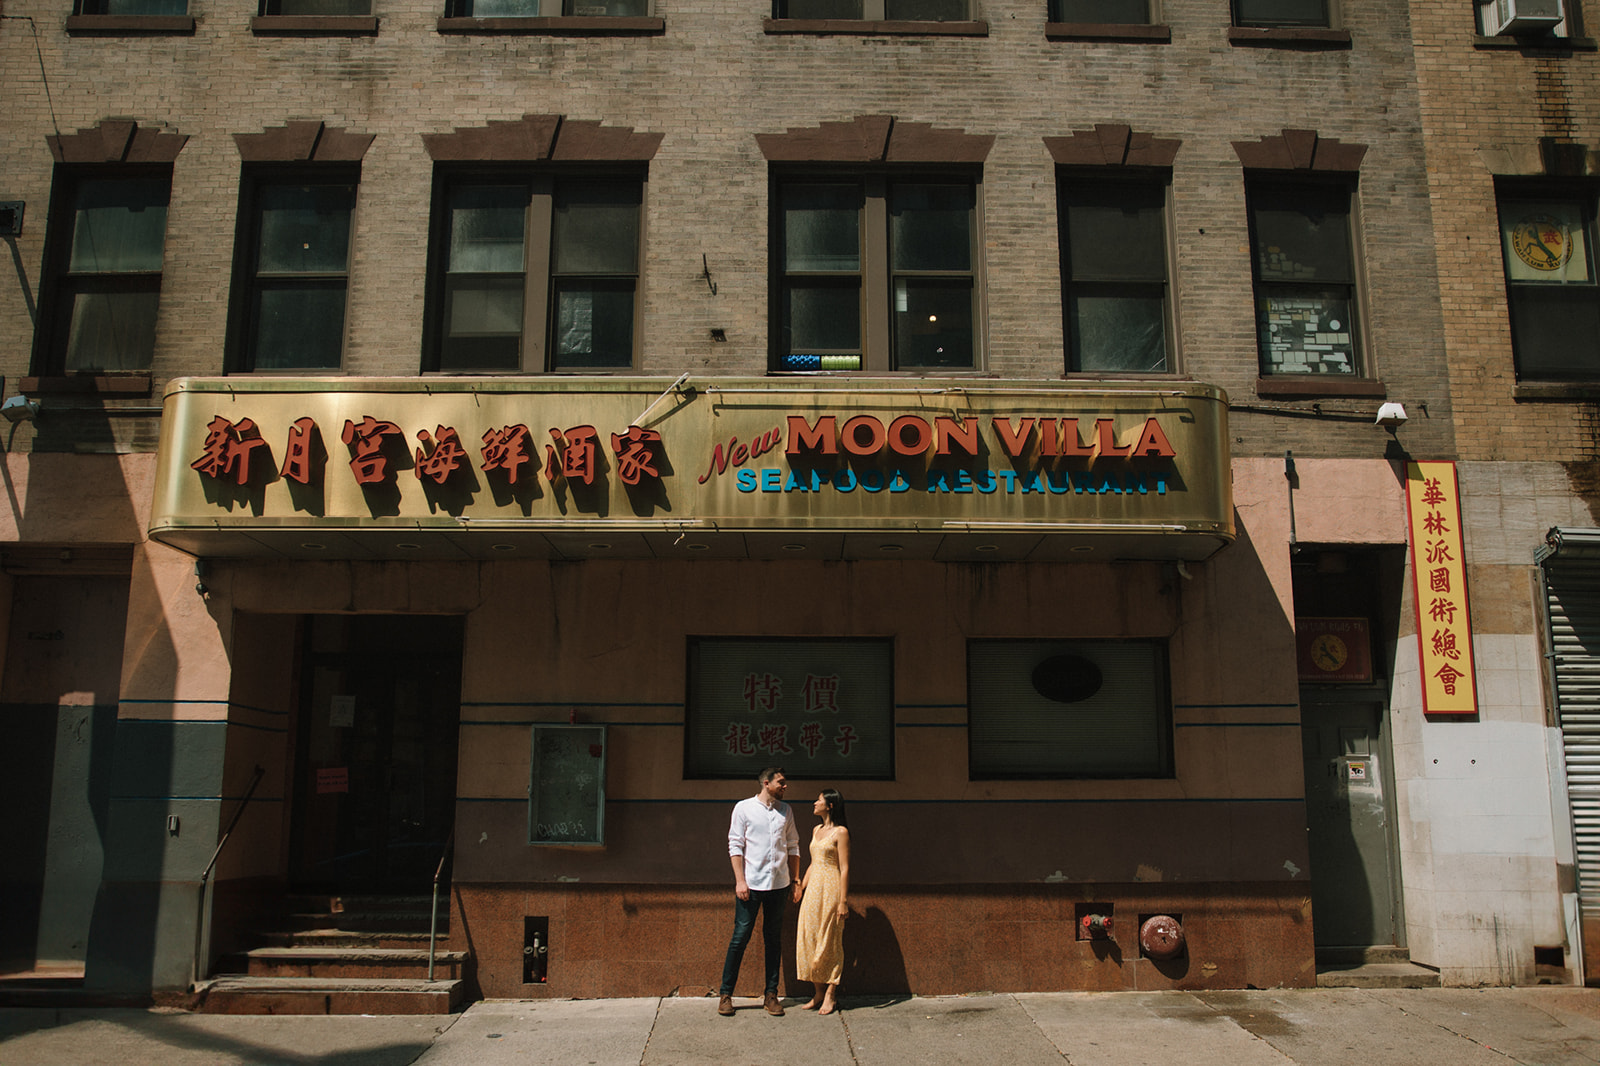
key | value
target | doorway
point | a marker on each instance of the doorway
(375, 761)
(1349, 825)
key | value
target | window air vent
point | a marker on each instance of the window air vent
(1523, 16)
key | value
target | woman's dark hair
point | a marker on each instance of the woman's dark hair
(835, 803)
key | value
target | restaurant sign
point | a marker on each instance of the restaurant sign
(248, 465)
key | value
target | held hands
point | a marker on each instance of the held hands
(799, 890)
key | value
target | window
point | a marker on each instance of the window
(1305, 285)
(545, 8)
(1281, 13)
(876, 273)
(1068, 708)
(873, 10)
(1102, 12)
(291, 270)
(106, 239)
(823, 709)
(131, 7)
(304, 8)
(538, 274)
(1548, 238)
(1114, 274)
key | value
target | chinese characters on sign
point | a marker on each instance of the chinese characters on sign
(822, 709)
(227, 452)
(1439, 577)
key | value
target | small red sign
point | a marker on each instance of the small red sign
(332, 779)
(1333, 649)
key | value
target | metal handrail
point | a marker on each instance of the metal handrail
(205, 875)
(433, 911)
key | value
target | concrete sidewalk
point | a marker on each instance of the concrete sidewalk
(1547, 1026)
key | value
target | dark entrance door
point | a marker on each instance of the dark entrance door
(375, 773)
(1348, 820)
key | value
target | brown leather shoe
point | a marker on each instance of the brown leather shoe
(773, 1005)
(725, 1007)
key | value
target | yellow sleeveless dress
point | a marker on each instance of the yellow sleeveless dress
(819, 942)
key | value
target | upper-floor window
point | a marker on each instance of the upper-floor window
(546, 8)
(1114, 255)
(1281, 13)
(103, 270)
(291, 268)
(874, 10)
(534, 271)
(1303, 261)
(876, 272)
(1102, 12)
(1548, 238)
(305, 8)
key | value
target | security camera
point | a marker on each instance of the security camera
(1391, 416)
(20, 409)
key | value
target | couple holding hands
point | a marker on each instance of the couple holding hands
(764, 848)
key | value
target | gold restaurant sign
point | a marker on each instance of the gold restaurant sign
(552, 467)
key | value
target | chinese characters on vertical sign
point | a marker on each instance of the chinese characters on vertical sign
(1439, 586)
(762, 693)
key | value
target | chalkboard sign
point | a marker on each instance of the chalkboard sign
(567, 797)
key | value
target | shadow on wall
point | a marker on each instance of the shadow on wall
(873, 963)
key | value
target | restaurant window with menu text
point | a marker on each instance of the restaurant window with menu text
(821, 709)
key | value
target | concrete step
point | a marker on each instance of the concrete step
(337, 937)
(1358, 955)
(351, 962)
(299, 995)
(1377, 975)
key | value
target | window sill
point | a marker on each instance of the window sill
(1107, 31)
(130, 25)
(559, 26)
(1301, 37)
(130, 383)
(1318, 386)
(314, 25)
(875, 28)
(1556, 390)
(1528, 42)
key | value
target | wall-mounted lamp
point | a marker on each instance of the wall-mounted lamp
(201, 570)
(20, 409)
(1391, 416)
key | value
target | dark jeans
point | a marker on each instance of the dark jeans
(744, 923)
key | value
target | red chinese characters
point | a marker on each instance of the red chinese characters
(228, 448)
(297, 453)
(366, 437)
(1444, 630)
(506, 449)
(574, 455)
(636, 454)
(440, 455)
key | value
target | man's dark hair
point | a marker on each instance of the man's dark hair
(769, 773)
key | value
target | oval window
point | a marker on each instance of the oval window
(1067, 678)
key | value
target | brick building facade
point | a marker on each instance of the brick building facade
(1290, 254)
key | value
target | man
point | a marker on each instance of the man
(764, 847)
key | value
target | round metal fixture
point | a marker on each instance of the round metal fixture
(1067, 678)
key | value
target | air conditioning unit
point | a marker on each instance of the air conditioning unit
(1523, 16)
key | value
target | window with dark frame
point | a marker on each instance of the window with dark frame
(1547, 235)
(106, 239)
(1114, 255)
(1041, 709)
(131, 7)
(874, 10)
(1270, 14)
(1102, 12)
(1303, 262)
(823, 708)
(546, 8)
(292, 269)
(535, 272)
(314, 8)
(876, 272)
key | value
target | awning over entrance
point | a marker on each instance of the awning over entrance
(496, 468)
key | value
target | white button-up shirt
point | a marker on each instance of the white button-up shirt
(766, 837)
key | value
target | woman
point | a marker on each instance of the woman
(819, 945)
